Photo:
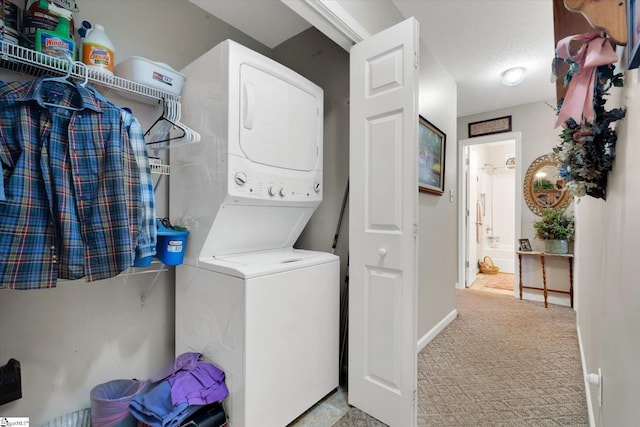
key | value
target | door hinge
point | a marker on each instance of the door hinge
(466, 264)
(415, 230)
(416, 60)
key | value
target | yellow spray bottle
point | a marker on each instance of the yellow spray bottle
(56, 42)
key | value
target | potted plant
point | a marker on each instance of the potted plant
(543, 184)
(556, 229)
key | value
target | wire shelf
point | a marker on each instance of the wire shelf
(26, 61)
(159, 169)
(29, 62)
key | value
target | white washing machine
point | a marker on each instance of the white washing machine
(273, 333)
(265, 313)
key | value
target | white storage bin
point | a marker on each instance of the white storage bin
(150, 73)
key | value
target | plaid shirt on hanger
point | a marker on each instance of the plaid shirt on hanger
(71, 201)
(146, 244)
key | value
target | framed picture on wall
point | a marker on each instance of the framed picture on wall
(633, 35)
(490, 127)
(431, 157)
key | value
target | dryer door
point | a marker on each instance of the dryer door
(280, 122)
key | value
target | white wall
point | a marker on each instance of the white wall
(373, 16)
(608, 294)
(78, 335)
(437, 215)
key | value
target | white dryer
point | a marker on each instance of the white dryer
(255, 178)
(264, 312)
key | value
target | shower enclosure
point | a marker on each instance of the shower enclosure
(492, 193)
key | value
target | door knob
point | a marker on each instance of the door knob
(382, 251)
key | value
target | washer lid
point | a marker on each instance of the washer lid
(280, 120)
(239, 229)
(255, 264)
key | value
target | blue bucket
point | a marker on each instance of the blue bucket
(170, 244)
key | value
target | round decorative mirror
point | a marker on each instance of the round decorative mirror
(544, 188)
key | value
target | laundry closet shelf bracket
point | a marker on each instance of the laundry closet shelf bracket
(145, 270)
(147, 292)
(27, 61)
(133, 271)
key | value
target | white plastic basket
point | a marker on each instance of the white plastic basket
(80, 418)
(151, 73)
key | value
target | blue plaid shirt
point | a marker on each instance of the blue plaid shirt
(146, 245)
(70, 203)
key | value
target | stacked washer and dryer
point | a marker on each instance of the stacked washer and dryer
(265, 313)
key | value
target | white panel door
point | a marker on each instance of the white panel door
(383, 224)
(473, 216)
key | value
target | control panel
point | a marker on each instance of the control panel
(269, 183)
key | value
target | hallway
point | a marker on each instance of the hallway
(501, 362)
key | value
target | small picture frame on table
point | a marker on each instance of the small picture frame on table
(525, 246)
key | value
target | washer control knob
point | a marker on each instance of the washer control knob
(281, 192)
(240, 178)
(316, 187)
(272, 191)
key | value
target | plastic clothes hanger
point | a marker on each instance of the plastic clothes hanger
(85, 69)
(173, 125)
(167, 122)
(64, 79)
(191, 135)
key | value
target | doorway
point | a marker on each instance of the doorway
(490, 208)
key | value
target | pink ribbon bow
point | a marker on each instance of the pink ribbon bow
(596, 51)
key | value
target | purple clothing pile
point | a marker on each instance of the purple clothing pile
(179, 392)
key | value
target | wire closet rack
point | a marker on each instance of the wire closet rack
(29, 62)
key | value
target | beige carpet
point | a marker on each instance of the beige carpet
(502, 362)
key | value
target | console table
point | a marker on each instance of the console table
(542, 256)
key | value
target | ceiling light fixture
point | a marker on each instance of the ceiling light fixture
(513, 76)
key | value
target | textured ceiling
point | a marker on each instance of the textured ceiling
(475, 40)
(268, 21)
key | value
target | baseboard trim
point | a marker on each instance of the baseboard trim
(426, 339)
(587, 388)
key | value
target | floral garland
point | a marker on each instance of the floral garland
(587, 150)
